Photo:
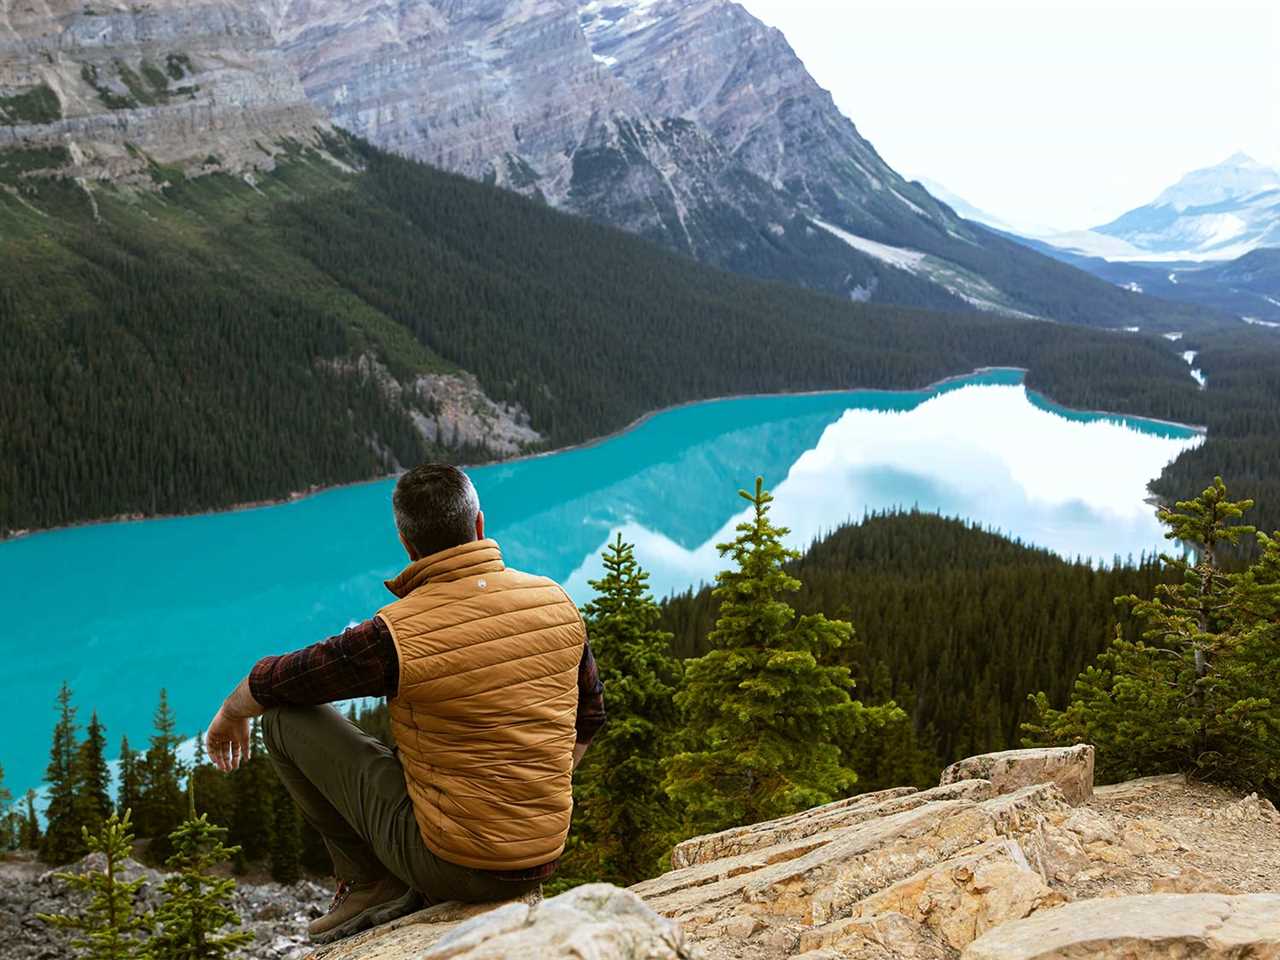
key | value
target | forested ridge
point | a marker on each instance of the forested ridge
(191, 349)
(958, 625)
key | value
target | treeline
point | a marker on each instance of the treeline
(954, 623)
(194, 349)
(155, 786)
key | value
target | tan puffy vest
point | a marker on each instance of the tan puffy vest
(484, 717)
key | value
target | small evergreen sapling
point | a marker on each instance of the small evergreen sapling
(763, 712)
(110, 926)
(192, 920)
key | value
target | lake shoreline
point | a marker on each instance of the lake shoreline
(318, 489)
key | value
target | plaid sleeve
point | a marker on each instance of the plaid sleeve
(591, 714)
(359, 662)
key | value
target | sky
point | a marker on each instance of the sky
(1045, 114)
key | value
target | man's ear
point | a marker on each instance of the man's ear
(413, 554)
(480, 525)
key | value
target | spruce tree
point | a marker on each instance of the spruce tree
(63, 839)
(763, 712)
(94, 794)
(192, 920)
(129, 796)
(9, 820)
(1197, 692)
(212, 788)
(286, 840)
(252, 785)
(623, 841)
(163, 804)
(109, 927)
(30, 836)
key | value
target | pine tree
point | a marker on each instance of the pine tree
(286, 840)
(1197, 692)
(30, 836)
(763, 713)
(252, 788)
(63, 839)
(163, 805)
(212, 789)
(9, 820)
(110, 927)
(129, 796)
(94, 794)
(624, 842)
(192, 920)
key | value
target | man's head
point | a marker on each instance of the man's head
(436, 508)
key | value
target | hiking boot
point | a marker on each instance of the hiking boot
(359, 906)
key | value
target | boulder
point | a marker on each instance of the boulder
(593, 921)
(1148, 927)
(1070, 768)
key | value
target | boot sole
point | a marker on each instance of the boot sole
(373, 917)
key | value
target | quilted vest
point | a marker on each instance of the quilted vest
(484, 716)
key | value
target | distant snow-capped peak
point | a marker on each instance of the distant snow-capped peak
(1237, 177)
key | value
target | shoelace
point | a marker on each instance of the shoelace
(340, 895)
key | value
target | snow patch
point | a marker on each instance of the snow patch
(1256, 322)
(1173, 278)
(1175, 337)
(1132, 286)
(900, 257)
(1190, 357)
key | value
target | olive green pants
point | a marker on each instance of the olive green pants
(351, 788)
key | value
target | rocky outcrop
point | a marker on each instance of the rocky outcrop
(976, 868)
(450, 410)
(139, 93)
(1070, 769)
(1142, 928)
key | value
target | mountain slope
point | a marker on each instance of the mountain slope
(689, 123)
(215, 341)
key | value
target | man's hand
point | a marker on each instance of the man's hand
(579, 751)
(227, 741)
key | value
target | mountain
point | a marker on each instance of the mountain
(1217, 213)
(135, 93)
(688, 122)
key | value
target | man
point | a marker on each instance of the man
(493, 694)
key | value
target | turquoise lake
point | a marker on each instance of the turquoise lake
(120, 610)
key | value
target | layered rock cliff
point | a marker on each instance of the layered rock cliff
(689, 122)
(1015, 855)
(136, 92)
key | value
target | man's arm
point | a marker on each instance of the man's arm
(359, 662)
(591, 715)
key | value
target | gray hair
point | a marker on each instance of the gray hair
(436, 507)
